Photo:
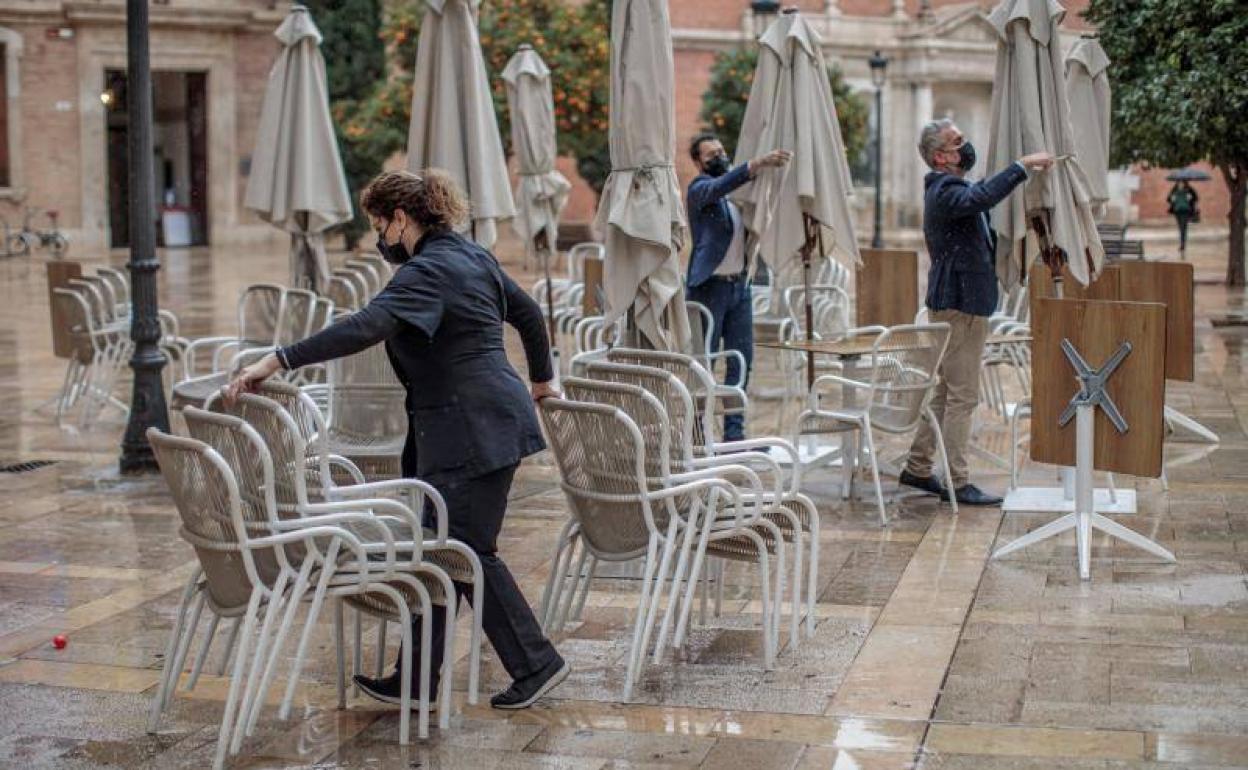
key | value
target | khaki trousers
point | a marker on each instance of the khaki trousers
(957, 395)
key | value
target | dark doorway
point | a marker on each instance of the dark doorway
(180, 143)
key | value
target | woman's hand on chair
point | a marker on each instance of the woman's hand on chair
(543, 390)
(250, 378)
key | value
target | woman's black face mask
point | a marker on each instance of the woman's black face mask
(718, 165)
(394, 253)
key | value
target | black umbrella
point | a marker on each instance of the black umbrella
(1188, 175)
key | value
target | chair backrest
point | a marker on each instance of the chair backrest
(581, 252)
(298, 318)
(206, 495)
(260, 313)
(343, 292)
(366, 400)
(905, 363)
(701, 330)
(119, 282)
(696, 379)
(601, 457)
(829, 310)
(101, 307)
(642, 407)
(671, 394)
(292, 429)
(72, 311)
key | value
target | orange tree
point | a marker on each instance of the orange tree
(573, 41)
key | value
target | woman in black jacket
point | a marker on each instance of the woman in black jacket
(471, 418)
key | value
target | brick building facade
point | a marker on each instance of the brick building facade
(62, 105)
(63, 142)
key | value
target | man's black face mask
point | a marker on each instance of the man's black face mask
(966, 156)
(718, 165)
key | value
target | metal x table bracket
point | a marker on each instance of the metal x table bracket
(1092, 383)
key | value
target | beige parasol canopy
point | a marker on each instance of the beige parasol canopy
(453, 125)
(641, 212)
(541, 192)
(296, 181)
(1087, 90)
(1030, 114)
(791, 108)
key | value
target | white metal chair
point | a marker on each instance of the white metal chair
(246, 561)
(294, 430)
(895, 397)
(366, 419)
(786, 506)
(621, 512)
(99, 355)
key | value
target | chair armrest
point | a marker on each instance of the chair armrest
(306, 532)
(391, 490)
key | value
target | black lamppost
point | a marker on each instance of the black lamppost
(763, 11)
(147, 402)
(878, 65)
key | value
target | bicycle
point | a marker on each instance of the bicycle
(23, 242)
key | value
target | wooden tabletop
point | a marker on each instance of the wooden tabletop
(850, 347)
(1006, 339)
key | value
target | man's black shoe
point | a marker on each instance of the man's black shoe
(969, 494)
(389, 689)
(525, 692)
(927, 484)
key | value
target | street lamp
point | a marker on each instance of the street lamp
(147, 402)
(763, 11)
(878, 65)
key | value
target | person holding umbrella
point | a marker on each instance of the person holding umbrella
(1184, 205)
(471, 418)
(962, 292)
(719, 275)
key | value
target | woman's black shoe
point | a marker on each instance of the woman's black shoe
(389, 689)
(525, 692)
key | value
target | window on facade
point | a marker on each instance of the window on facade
(5, 176)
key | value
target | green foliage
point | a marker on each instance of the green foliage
(725, 99)
(355, 59)
(574, 42)
(1179, 74)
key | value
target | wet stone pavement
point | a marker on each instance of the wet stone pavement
(926, 654)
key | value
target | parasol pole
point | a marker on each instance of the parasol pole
(813, 233)
(541, 245)
(1053, 255)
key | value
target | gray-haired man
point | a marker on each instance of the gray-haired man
(962, 292)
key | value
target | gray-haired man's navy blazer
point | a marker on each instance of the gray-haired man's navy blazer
(709, 221)
(960, 241)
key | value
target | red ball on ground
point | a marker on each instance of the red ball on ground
(59, 641)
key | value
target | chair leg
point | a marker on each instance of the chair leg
(565, 537)
(812, 569)
(379, 663)
(255, 674)
(578, 612)
(636, 654)
(309, 625)
(944, 459)
(699, 557)
(236, 679)
(204, 645)
(229, 646)
(184, 647)
(564, 607)
(559, 578)
(682, 565)
(159, 698)
(720, 568)
(869, 440)
(340, 656)
(357, 652)
(660, 580)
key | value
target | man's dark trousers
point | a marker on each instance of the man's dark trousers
(475, 509)
(728, 299)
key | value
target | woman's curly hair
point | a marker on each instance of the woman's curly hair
(431, 198)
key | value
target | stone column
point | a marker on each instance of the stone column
(899, 9)
(831, 8)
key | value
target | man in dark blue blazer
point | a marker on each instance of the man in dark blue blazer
(719, 274)
(962, 292)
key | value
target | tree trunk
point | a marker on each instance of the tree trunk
(1236, 175)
